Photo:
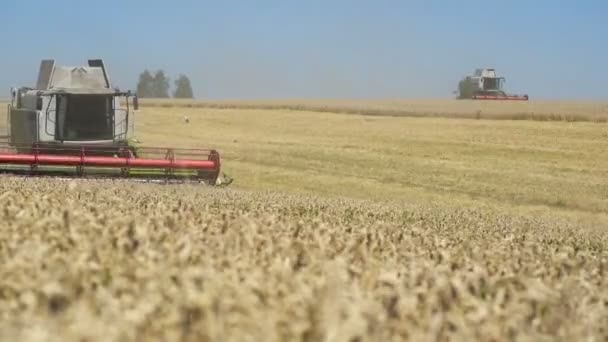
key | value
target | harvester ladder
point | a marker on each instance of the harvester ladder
(127, 154)
(171, 157)
(80, 167)
(34, 165)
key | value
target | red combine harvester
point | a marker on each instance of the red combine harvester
(73, 124)
(486, 85)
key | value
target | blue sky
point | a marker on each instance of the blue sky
(318, 49)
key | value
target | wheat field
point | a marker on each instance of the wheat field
(447, 108)
(120, 262)
(338, 227)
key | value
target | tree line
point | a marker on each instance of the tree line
(158, 85)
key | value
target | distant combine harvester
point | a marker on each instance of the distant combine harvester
(485, 84)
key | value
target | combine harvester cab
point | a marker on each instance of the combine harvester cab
(485, 84)
(74, 124)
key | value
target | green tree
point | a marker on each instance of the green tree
(183, 88)
(145, 85)
(160, 85)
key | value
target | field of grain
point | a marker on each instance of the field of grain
(525, 166)
(338, 227)
(84, 261)
(462, 109)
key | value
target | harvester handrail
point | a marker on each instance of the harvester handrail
(9, 109)
(124, 122)
(47, 119)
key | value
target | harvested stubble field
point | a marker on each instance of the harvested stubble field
(339, 227)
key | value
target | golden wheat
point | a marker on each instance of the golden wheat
(114, 261)
(463, 109)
